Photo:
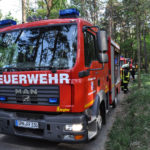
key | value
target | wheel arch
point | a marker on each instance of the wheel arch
(100, 103)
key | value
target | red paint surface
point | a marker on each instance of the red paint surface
(77, 94)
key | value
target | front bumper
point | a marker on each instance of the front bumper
(51, 127)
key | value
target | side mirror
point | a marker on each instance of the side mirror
(102, 41)
(103, 58)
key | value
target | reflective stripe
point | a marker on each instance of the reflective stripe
(125, 79)
(89, 104)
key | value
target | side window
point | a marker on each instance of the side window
(89, 48)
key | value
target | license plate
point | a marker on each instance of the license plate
(27, 124)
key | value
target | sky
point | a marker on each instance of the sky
(13, 6)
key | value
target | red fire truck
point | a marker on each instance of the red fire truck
(58, 78)
(122, 61)
(126, 61)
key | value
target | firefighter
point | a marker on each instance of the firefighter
(136, 67)
(125, 77)
(133, 73)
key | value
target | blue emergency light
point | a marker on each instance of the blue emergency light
(2, 98)
(69, 13)
(53, 100)
(7, 22)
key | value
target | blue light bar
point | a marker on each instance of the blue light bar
(2, 98)
(69, 12)
(53, 100)
(7, 22)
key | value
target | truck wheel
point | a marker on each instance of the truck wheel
(95, 126)
(114, 104)
(99, 120)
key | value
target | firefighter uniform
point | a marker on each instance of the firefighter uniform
(125, 77)
(133, 72)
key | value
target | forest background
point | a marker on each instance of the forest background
(126, 21)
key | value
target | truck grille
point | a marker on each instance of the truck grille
(27, 95)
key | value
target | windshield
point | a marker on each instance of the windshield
(50, 46)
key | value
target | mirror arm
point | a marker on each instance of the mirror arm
(85, 28)
(87, 72)
(97, 68)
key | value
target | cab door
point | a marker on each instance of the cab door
(91, 62)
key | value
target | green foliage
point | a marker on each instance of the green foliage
(9, 16)
(42, 9)
(1, 15)
(148, 46)
(89, 9)
(121, 23)
(131, 129)
(127, 47)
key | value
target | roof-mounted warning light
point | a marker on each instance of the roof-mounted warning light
(69, 13)
(7, 22)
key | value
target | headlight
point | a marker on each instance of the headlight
(74, 127)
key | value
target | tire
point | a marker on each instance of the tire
(114, 104)
(99, 121)
(96, 126)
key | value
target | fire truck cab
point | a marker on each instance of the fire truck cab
(58, 78)
(122, 61)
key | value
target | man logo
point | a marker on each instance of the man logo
(26, 91)
(26, 95)
(26, 98)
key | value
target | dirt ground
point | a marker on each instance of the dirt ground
(111, 118)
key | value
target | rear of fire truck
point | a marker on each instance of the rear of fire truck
(46, 90)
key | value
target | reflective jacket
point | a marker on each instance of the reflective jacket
(125, 76)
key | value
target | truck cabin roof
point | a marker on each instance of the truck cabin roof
(45, 23)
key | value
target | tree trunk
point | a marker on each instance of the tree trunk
(145, 50)
(138, 48)
(141, 46)
(49, 4)
(110, 20)
(23, 11)
(82, 8)
(94, 12)
(28, 8)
